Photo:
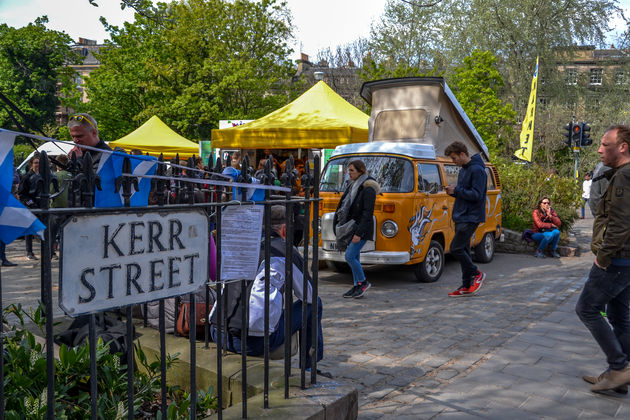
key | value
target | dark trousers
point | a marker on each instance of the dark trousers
(255, 345)
(460, 249)
(28, 239)
(608, 290)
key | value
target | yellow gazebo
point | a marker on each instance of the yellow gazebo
(319, 118)
(155, 137)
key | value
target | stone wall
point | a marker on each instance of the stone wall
(512, 243)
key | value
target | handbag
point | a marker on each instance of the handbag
(344, 234)
(183, 319)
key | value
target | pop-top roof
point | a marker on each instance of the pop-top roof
(414, 150)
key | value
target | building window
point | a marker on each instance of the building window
(620, 77)
(596, 76)
(571, 76)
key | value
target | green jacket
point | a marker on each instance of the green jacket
(611, 228)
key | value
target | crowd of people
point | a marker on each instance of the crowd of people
(603, 306)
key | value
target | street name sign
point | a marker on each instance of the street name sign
(120, 259)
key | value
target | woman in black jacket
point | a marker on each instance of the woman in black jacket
(354, 220)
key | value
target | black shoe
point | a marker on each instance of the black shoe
(361, 289)
(350, 293)
(7, 263)
(31, 256)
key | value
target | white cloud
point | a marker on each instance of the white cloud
(77, 18)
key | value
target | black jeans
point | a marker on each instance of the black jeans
(460, 249)
(608, 290)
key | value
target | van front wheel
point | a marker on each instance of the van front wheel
(484, 252)
(430, 270)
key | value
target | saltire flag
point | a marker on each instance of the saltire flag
(6, 159)
(253, 194)
(527, 132)
(15, 219)
(110, 167)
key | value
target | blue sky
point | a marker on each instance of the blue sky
(319, 23)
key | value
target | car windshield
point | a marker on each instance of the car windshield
(393, 174)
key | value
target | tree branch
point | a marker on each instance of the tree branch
(418, 5)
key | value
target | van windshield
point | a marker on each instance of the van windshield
(393, 174)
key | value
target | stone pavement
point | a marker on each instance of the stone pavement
(517, 349)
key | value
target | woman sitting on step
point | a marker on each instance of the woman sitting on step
(545, 228)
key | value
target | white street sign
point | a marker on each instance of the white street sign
(114, 260)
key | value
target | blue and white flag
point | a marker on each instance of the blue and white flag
(16, 220)
(110, 168)
(253, 194)
(6, 159)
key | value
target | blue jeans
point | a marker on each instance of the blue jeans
(256, 345)
(353, 253)
(460, 249)
(608, 290)
(547, 238)
(584, 203)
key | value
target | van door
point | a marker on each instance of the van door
(451, 172)
(493, 208)
(430, 214)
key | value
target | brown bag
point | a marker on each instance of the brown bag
(183, 321)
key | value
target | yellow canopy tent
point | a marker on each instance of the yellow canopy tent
(155, 137)
(320, 118)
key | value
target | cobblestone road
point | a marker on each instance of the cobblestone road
(405, 344)
(515, 350)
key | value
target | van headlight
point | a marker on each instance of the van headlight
(389, 228)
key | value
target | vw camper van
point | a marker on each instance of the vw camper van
(413, 120)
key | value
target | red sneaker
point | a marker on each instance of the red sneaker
(477, 283)
(462, 291)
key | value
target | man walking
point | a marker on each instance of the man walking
(469, 210)
(608, 285)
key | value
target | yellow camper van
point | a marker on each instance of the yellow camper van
(412, 122)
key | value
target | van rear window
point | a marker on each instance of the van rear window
(393, 174)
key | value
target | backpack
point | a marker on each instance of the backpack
(233, 291)
(233, 307)
(111, 330)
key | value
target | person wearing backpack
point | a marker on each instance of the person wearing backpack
(256, 301)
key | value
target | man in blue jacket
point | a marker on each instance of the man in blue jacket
(469, 211)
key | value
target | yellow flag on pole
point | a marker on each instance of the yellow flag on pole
(527, 132)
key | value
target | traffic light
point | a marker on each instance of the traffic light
(576, 135)
(586, 140)
(569, 129)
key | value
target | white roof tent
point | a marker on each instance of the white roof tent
(419, 110)
(414, 150)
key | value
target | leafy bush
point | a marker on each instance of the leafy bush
(26, 383)
(523, 185)
(20, 152)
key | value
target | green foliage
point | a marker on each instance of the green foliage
(523, 185)
(192, 63)
(26, 383)
(20, 152)
(373, 70)
(476, 85)
(33, 67)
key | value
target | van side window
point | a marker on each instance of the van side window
(491, 185)
(452, 172)
(429, 179)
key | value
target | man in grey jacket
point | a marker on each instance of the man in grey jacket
(608, 285)
(598, 187)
